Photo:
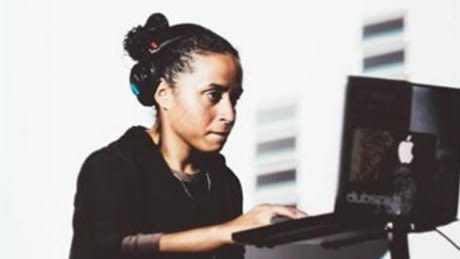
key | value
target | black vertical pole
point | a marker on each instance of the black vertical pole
(397, 237)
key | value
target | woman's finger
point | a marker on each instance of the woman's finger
(288, 212)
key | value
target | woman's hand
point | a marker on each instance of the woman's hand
(258, 216)
(212, 237)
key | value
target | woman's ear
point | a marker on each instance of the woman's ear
(163, 95)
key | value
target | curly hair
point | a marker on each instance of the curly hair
(164, 51)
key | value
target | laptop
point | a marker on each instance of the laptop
(400, 163)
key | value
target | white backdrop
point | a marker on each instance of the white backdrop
(64, 92)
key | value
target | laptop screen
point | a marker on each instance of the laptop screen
(400, 155)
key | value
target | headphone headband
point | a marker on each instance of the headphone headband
(164, 36)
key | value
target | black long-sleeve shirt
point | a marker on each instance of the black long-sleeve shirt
(126, 189)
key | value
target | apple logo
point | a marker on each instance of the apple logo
(405, 150)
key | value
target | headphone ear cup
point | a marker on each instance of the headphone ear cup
(144, 81)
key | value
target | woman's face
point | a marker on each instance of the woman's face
(202, 110)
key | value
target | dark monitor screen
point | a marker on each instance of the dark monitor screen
(400, 155)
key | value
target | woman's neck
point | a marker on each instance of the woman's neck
(177, 155)
(179, 159)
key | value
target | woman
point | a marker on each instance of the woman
(165, 191)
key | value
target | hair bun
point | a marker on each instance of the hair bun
(156, 21)
(137, 41)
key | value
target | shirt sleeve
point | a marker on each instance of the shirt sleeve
(105, 219)
(141, 243)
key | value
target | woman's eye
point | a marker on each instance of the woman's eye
(214, 96)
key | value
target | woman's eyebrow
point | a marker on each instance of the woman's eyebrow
(224, 88)
(218, 86)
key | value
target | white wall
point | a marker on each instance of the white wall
(64, 92)
(2, 129)
(434, 35)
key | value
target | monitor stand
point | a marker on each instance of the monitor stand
(397, 237)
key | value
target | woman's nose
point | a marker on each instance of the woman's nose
(227, 110)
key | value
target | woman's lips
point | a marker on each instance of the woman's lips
(222, 134)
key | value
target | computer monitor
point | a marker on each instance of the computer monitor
(400, 157)
(400, 163)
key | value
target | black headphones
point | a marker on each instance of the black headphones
(146, 74)
(144, 80)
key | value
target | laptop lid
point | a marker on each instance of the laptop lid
(400, 155)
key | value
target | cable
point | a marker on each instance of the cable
(447, 238)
